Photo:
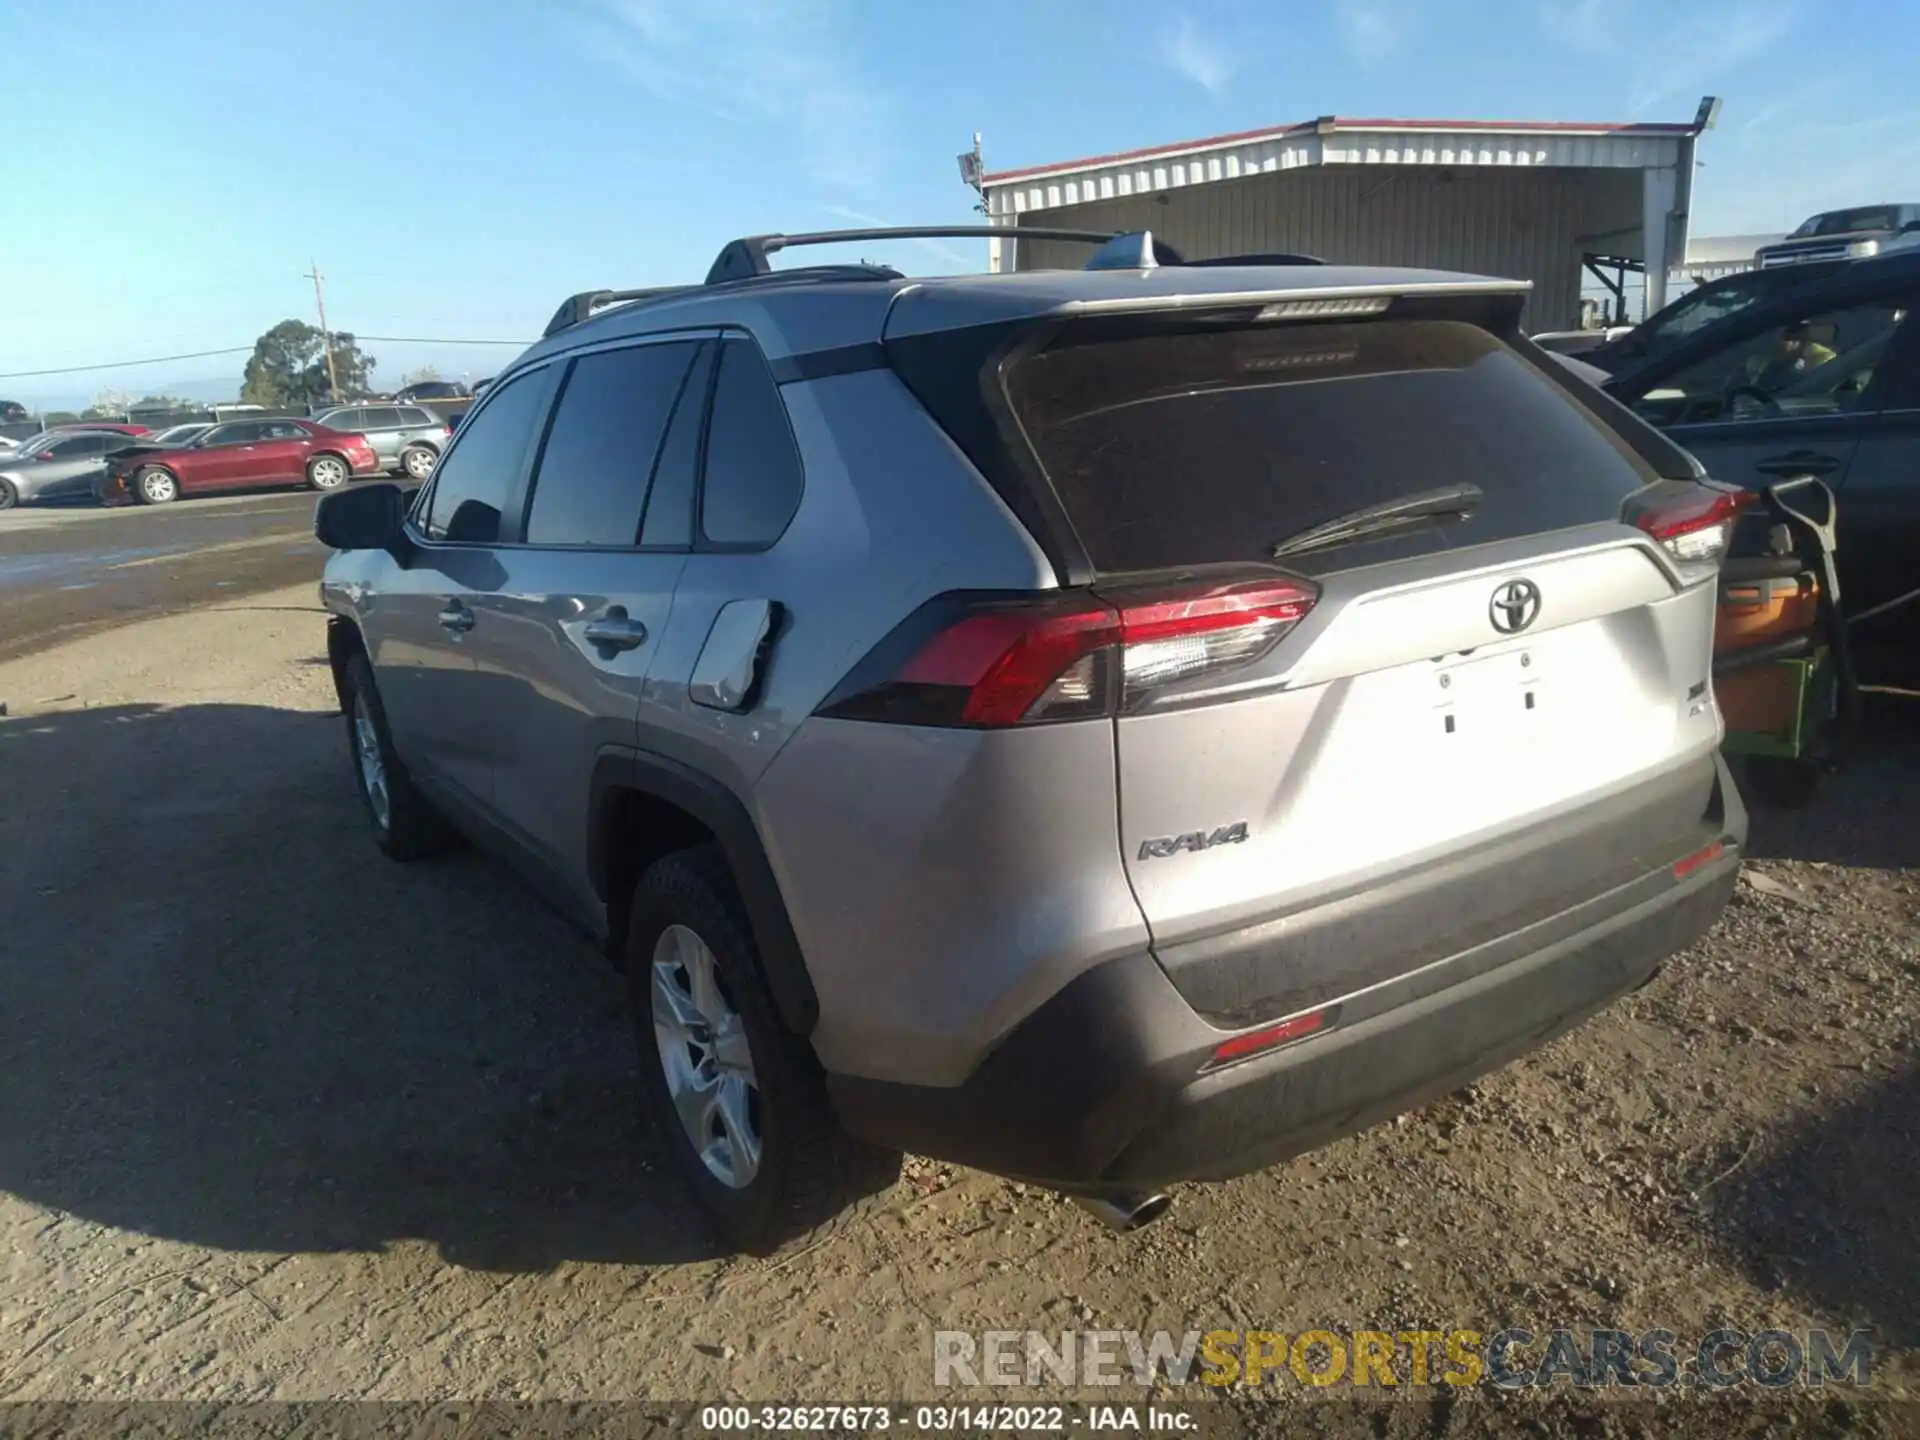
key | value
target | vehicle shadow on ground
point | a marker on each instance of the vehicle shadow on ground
(226, 1020)
(1829, 1212)
(1863, 813)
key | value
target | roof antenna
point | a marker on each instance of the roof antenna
(1126, 252)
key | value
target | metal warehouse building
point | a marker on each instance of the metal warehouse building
(1544, 202)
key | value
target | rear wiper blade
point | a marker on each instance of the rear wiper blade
(1409, 512)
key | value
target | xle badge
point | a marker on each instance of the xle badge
(1193, 840)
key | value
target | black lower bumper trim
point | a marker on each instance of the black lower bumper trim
(1100, 1088)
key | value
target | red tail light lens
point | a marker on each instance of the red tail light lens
(1257, 1042)
(1011, 663)
(989, 661)
(1693, 523)
(1686, 867)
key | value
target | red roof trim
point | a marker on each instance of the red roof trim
(1564, 127)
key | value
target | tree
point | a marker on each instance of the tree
(108, 404)
(288, 367)
(416, 377)
(165, 402)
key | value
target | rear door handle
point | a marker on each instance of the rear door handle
(456, 619)
(1799, 462)
(615, 630)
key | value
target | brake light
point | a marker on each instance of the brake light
(995, 661)
(1693, 523)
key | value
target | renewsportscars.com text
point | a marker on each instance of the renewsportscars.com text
(1511, 1359)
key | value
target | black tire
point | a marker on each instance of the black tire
(9, 497)
(155, 485)
(1784, 784)
(810, 1171)
(328, 472)
(420, 459)
(409, 828)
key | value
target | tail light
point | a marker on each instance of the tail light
(1693, 523)
(992, 661)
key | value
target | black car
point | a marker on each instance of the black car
(12, 412)
(1821, 380)
(430, 390)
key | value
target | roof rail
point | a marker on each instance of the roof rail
(579, 307)
(1272, 258)
(746, 258)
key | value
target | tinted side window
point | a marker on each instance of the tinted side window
(470, 487)
(599, 455)
(346, 420)
(670, 502)
(1820, 363)
(753, 478)
(411, 416)
(384, 418)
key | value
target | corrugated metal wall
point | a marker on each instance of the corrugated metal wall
(1520, 223)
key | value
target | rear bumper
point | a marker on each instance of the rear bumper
(1101, 1088)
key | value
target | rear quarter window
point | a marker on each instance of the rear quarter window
(1187, 448)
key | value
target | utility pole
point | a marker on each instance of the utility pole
(326, 336)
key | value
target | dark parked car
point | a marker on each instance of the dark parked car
(12, 412)
(1671, 325)
(1823, 380)
(431, 390)
(239, 455)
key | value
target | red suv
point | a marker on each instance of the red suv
(239, 455)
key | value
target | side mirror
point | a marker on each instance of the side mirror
(363, 517)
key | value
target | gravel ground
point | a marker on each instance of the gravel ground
(282, 1121)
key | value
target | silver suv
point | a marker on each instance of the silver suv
(1107, 727)
(407, 439)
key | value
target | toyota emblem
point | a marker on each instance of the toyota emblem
(1515, 606)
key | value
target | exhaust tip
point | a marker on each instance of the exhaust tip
(1124, 1212)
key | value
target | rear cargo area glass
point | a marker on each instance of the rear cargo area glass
(1192, 447)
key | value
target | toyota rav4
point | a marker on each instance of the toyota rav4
(1108, 727)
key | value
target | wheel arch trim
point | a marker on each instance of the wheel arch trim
(726, 816)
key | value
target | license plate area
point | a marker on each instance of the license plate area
(1487, 701)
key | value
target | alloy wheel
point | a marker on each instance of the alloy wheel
(373, 766)
(705, 1057)
(328, 473)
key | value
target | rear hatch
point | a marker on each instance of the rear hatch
(1419, 740)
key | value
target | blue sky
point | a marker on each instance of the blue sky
(458, 166)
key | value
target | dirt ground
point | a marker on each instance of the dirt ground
(283, 1121)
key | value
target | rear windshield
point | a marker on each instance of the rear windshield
(1192, 448)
